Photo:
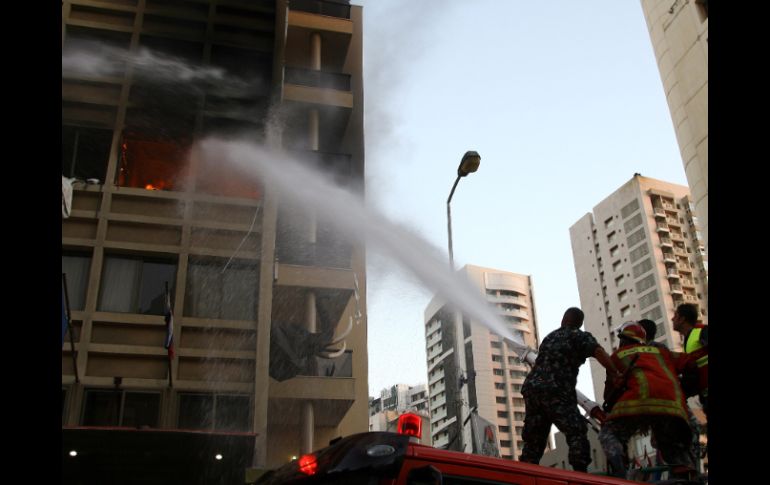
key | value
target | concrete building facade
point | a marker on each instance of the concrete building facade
(639, 254)
(236, 260)
(679, 33)
(494, 374)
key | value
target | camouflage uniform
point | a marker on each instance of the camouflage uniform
(549, 396)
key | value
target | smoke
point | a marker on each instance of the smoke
(90, 58)
(389, 52)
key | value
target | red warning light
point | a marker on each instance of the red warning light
(308, 465)
(410, 425)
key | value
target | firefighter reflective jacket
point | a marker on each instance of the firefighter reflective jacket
(652, 386)
(698, 355)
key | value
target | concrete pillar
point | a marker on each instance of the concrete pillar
(307, 419)
(315, 51)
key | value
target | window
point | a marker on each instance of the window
(505, 443)
(502, 414)
(499, 386)
(608, 222)
(516, 388)
(629, 208)
(500, 400)
(616, 265)
(76, 266)
(109, 407)
(635, 238)
(619, 280)
(610, 239)
(85, 152)
(645, 283)
(622, 295)
(613, 251)
(642, 267)
(633, 223)
(220, 411)
(637, 253)
(135, 284)
(518, 402)
(504, 429)
(497, 358)
(518, 416)
(625, 311)
(497, 372)
(648, 299)
(495, 345)
(228, 295)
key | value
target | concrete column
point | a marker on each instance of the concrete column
(308, 425)
(307, 419)
(315, 51)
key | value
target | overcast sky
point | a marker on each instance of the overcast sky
(563, 101)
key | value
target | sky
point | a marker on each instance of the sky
(563, 101)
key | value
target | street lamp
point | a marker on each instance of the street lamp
(469, 164)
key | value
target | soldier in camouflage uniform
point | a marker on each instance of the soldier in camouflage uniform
(549, 390)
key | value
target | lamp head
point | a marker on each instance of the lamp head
(469, 163)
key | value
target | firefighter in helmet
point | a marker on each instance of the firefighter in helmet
(649, 399)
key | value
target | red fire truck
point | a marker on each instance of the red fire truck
(383, 458)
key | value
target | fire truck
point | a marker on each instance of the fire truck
(386, 458)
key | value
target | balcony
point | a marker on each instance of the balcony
(683, 267)
(673, 221)
(672, 273)
(666, 241)
(688, 283)
(676, 288)
(662, 227)
(690, 299)
(317, 79)
(659, 211)
(677, 236)
(322, 7)
(669, 257)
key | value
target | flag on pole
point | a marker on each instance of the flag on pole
(169, 318)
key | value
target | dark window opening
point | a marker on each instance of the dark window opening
(136, 285)
(121, 408)
(152, 164)
(85, 152)
(228, 295)
(77, 267)
(220, 412)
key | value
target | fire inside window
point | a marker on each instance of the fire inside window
(151, 164)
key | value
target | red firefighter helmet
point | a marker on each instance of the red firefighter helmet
(633, 331)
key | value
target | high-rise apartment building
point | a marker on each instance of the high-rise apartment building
(493, 372)
(142, 80)
(639, 255)
(679, 30)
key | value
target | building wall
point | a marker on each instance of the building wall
(679, 33)
(639, 254)
(154, 203)
(495, 388)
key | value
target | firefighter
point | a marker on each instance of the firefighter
(650, 399)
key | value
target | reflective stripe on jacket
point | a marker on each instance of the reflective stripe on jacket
(652, 386)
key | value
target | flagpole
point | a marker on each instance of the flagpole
(170, 322)
(69, 326)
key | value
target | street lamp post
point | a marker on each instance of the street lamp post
(469, 164)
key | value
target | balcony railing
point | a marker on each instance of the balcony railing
(666, 241)
(317, 79)
(331, 8)
(662, 227)
(341, 366)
